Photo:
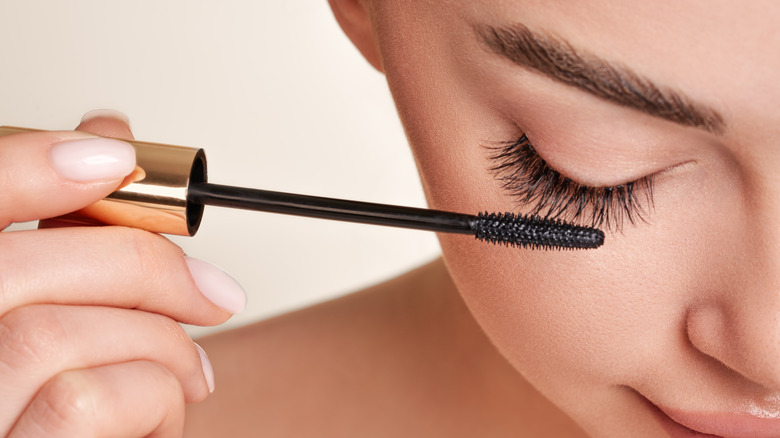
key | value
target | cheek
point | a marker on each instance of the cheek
(557, 316)
(574, 321)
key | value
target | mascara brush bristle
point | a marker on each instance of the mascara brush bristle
(534, 232)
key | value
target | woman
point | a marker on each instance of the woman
(653, 121)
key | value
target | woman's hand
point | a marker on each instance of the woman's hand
(89, 339)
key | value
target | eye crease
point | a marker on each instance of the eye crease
(532, 182)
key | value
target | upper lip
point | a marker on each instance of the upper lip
(728, 424)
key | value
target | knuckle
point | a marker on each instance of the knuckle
(29, 336)
(67, 400)
(172, 329)
(166, 384)
(176, 335)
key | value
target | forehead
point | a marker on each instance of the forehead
(723, 53)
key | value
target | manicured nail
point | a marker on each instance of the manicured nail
(92, 159)
(113, 114)
(216, 285)
(208, 370)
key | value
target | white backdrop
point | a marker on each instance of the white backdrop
(272, 90)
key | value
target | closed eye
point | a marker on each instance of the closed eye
(532, 182)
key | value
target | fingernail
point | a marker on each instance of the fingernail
(208, 370)
(92, 159)
(113, 114)
(216, 285)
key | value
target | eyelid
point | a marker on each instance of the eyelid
(676, 168)
(597, 160)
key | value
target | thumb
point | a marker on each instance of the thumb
(106, 123)
(47, 174)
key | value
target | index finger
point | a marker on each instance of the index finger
(46, 174)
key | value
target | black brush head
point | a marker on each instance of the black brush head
(534, 232)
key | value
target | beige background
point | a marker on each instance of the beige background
(276, 95)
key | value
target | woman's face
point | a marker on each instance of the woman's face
(679, 311)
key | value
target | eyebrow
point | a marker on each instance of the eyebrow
(559, 60)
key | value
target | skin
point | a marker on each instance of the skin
(75, 357)
(681, 311)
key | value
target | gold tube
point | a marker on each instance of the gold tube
(154, 196)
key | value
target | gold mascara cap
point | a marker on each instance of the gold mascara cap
(154, 196)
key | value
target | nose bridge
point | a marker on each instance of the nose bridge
(760, 246)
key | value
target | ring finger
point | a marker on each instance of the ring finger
(41, 341)
(130, 399)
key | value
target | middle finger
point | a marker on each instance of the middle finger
(40, 341)
(113, 266)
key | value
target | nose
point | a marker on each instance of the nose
(739, 324)
(745, 338)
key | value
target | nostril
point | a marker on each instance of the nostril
(743, 342)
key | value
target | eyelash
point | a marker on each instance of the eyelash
(528, 178)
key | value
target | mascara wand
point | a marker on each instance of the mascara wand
(168, 191)
(507, 228)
